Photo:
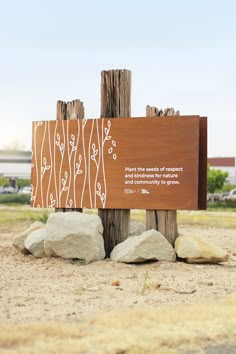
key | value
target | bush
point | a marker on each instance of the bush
(227, 187)
(215, 180)
(230, 203)
(220, 206)
(4, 181)
(21, 183)
(15, 198)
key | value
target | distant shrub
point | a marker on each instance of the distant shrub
(231, 202)
(21, 183)
(221, 206)
(4, 181)
(15, 198)
(228, 187)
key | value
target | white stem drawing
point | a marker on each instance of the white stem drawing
(77, 170)
(84, 121)
(44, 167)
(43, 163)
(89, 165)
(32, 165)
(96, 152)
(64, 188)
(50, 152)
(105, 137)
(54, 162)
(70, 204)
(71, 148)
(61, 147)
(100, 194)
(52, 201)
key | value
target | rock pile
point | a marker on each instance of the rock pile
(79, 236)
(66, 235)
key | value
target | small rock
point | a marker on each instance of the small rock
(150, 245)
(19, 240)
(197, 250)
(35, 242)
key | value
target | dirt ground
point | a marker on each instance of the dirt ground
(53, 289)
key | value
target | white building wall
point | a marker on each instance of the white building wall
(15, 170)
(231, 173)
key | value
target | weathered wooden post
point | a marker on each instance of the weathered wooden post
(164, 221)
(115, 102)
(65, 111)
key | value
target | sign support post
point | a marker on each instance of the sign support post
(115, 102)
(164, 221)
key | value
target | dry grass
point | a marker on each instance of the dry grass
(166, 329)
(208, 219)
(13, 214)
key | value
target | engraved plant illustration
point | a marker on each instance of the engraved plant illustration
(74, 158)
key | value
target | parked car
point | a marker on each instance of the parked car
(223, 196)
(10, 190)
(26, 190)
(213, 197)
(231, 195)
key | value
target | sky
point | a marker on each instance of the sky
(182, 54)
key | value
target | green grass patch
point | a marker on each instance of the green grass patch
(15, 198)
(222, 206)
(16, 214)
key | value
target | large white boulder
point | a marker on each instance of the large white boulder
(19, 240)
(74, 235)
(194, 249)
(35, 242)
(150, 245)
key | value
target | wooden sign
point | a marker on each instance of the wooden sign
(133, 163)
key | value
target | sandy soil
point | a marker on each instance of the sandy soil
(52, 289)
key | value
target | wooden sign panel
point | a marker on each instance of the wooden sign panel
(133, 163)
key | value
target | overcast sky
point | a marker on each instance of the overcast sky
(182, 54)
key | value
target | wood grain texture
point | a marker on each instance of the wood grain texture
(115, 102)
(164, 221)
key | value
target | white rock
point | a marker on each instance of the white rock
(197, 250)
(35, 242)
(150, 245)
(136, 228)
(75, 235)
(19, 240)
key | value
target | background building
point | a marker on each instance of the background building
(226, 164)
(15, 164)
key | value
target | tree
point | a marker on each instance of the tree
(4, 181)
(21, 183)
(215, 180)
